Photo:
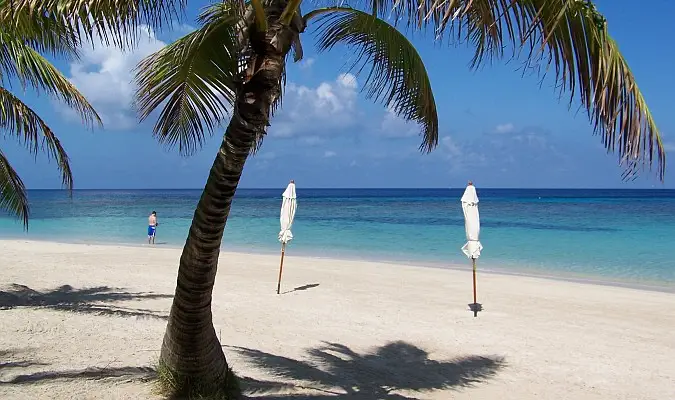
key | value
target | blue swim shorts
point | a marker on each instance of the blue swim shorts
(151, 230)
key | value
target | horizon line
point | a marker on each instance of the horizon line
(370, 188)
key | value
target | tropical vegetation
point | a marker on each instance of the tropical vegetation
(235, 64)
(233, 68)
(25, 44)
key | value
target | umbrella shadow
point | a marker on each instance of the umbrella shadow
(94, 300)
(334, 371)
(475, 308)
(301, 288)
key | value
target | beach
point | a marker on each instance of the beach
(86, 322)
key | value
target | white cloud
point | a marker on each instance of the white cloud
(531, 149)
(348, 81)
(104, 74)
(312, 112)
(394, 126)
(329, 154)
(505, 128)
(532, 139)
(307, 63)
(450, 148)
(460, 156)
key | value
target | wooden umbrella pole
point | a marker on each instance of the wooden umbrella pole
(475, 304)
(281, 267)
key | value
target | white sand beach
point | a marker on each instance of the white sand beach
(86, 322)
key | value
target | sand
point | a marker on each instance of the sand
(86, 322)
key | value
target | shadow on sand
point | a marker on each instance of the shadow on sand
(127, 373)
(85, 300)
(331, 372)
(334, 371)
(301, 288)
(20, 360)
(9, 361)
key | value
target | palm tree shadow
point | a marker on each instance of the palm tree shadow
(334, 371)
(12, 359)
(142, 374)
(94, 300)
(18, 368)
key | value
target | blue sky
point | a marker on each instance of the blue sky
(496, 127)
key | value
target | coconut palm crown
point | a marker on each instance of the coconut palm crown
(232, 70)
(24, 45)
(234, 67)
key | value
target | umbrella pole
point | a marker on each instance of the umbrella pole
(475, 304)
(281, 266)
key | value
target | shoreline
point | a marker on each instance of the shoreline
(410, 263)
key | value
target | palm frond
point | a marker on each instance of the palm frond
(192, 80)
(291, 9)
(568, 37)
(20, 61)
(260, 15)
(112, 21)
(20, 121)
(46, 33)
(12, 191)
(410, 13)
(620, 114)
(397, 75)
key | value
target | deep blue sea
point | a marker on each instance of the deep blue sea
(613, 235)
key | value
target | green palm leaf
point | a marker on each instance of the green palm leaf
(46, 33)
(397, 75)
(192, 80)
(20, 61)
(19, 120)
(12, 191)
(113, 21)
(568, 37)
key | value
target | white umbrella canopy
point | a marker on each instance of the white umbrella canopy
(472, 248)
(288, 206)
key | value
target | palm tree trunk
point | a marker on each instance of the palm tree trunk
(191, 352)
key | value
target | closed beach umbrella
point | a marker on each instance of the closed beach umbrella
(288, 206)
(472, 247)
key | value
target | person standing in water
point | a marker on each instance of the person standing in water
(152, 227)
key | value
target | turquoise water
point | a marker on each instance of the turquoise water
(621, 235)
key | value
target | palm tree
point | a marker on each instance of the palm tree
(23, 41)
(235, 63)
(238, 58)
(33, 29)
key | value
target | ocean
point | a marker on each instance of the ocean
(621, 236)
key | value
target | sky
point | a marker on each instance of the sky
(497, 127)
